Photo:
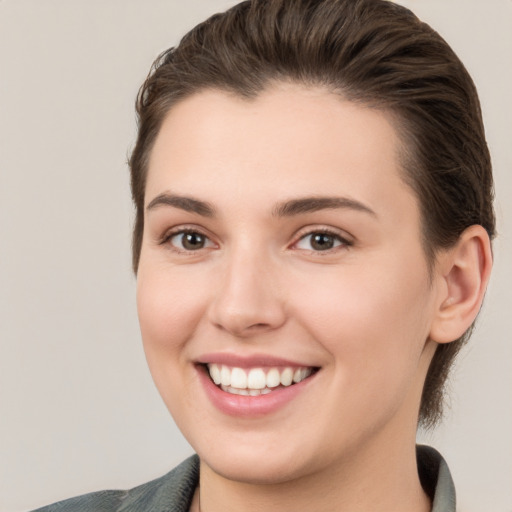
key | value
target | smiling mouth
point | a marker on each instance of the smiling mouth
(256, 381)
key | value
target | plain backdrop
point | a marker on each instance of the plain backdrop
(78, 409)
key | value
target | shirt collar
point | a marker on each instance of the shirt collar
(436, 479)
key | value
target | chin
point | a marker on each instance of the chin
(255, 470)
(260, 461)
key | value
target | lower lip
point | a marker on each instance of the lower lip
(250, 406)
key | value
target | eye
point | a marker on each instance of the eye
(189, 240)
(320, 241)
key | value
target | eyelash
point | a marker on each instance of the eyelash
(343, 243)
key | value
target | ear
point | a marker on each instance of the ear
(463, 273)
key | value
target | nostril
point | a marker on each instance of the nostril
(258, 326)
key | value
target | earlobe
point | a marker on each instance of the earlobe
(463, 271)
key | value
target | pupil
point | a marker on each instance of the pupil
(322, 242)
(193, 241)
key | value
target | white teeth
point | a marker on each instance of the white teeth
(273, 378)
(215, 373)
(301, 374)
(239, 378)
(245, 392)
(225, 376)
(287, 377)
(256, 379)
(255, 382)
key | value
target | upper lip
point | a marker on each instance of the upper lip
(249, 361)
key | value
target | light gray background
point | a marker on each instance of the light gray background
(79, 411)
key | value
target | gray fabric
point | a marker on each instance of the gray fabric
(173, 492)
(436, 479)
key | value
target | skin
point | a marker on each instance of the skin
(365, 312)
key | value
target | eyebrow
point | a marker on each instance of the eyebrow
(189, 204)
(285, 209)
(315, 203)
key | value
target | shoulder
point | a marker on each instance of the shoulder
(172, 491)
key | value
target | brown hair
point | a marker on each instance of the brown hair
(369, 51)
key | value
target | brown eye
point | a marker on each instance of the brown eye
(320, 241)
(189, 241)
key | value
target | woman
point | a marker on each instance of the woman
(313, 199)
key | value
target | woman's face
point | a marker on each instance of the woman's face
(280, 242)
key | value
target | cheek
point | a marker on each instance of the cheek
(374, 324)
(170, 306)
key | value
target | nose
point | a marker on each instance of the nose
(247, 300)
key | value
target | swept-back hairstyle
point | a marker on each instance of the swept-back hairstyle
(373, 52)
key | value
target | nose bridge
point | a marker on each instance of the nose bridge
(247, 299)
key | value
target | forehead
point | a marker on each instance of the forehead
(289, 137)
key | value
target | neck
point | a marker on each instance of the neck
(372, 481)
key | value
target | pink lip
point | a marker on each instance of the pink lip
(250, 406)
(255, 360)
